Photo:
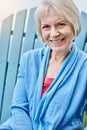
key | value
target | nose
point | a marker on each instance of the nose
(54, 32)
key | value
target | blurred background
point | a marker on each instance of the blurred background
(8, 7)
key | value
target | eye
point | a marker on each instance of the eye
(61, 24)
(45, 27)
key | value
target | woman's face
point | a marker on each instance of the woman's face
(56, 32)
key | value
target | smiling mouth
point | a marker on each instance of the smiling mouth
(57, 41)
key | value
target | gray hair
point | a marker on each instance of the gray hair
(65, 8)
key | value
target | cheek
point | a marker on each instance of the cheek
(68, 30)
(71, 32)
(68, 33)
(45, 35)
(71, 35)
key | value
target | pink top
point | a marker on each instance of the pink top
(46, 84)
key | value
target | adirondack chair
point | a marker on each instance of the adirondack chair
(12, 46)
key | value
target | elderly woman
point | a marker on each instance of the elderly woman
(51, 88)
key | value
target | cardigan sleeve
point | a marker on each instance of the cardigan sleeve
(20, 119)
(6, 125)
(20, 105)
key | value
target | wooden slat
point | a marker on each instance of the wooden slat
(4, 46)
(82, 37)
(85, 48)
(31, 39)
(38, 43)
(30, 32)
(15, 51)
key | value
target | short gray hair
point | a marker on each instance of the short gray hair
(65, 8)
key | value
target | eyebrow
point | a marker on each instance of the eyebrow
(46, 23)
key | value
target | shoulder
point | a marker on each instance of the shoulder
(83, 59)
(82, 55)
(34, 54)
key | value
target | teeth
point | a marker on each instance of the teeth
(57, 40)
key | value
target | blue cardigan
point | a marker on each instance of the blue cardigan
(61, 106)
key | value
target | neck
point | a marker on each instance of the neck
(60, 56)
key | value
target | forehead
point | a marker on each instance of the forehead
(51, 16)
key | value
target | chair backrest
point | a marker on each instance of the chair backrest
(12, 45)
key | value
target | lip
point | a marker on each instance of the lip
(57, 41)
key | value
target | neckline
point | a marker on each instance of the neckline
(48, 79)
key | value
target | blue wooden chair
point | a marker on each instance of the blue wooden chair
(12, 45)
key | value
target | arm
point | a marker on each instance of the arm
(20, 105)
(6, 125)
